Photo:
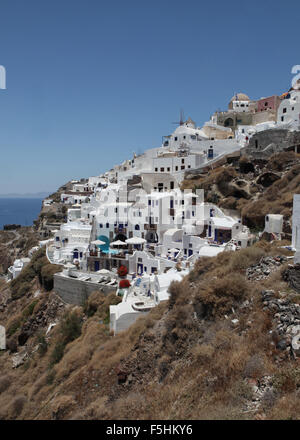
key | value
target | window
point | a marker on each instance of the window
(172, 185)
(107, 225)
(168, 169)
(182, 160)
(189, 166)
(137, 227)
(284, 110)
(149, 202)
(116, 210)
(293, 108)
(100, 225)
(193, 213)
(183, 137)
(193, 137)
(156, 169)
(162, 170)
(182, 167)
(190, 245)
(175, 138)
(176, 168)
(282, 118)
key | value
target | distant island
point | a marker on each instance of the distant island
(39, 195)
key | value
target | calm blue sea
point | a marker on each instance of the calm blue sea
(19, 211)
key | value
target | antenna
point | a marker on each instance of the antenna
(181, 122)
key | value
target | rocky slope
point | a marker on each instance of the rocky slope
(225, 346)
(252, 187)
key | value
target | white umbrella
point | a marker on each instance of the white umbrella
(135, 240)
(98, 242)
(174, 250)
(118, 243)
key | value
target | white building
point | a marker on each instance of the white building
(19, 264)
(274, 223)
(289, 110)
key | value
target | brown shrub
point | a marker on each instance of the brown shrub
(254, 366)
(5, 382)
(17, 405)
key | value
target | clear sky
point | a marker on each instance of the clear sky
(91, 81)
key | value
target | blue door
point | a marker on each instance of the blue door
(209, 230)
(190, 252)
(216, 234)
(75, 254)
(97, 266)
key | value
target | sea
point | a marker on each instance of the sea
(19, 211)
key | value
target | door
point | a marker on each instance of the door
(190, 252)
(75, 254)
(97, 266)
(140, 268)
(209, 230)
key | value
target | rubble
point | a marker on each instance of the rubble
(262, 389)
(264, 268)
(287, 321)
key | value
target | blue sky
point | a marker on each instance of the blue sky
(91, 81)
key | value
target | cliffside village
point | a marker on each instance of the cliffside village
(133, 230)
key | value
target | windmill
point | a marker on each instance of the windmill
(181, 122)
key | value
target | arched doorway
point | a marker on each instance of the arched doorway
(151, 237)
(121, 237)
(228, 122)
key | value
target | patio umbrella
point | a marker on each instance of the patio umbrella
(118, 243)
(136, 240)
(98, 242)
(174, 250)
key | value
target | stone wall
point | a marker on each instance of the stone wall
(74, 291)
(265, 143)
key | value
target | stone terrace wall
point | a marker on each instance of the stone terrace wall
(74, 291)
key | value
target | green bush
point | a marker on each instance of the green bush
(69, 329)
(57, 353)
(47, 273)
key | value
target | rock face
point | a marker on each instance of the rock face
(267, 179)
(292, 276)
(286, 321)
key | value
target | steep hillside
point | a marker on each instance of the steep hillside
(253, 188)
(215, 350)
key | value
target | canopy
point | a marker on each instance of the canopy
(174, 250)
(98, 242)
(136, 240)
(118, 243)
